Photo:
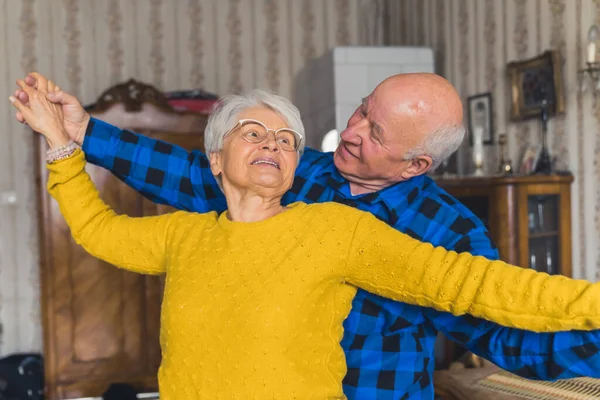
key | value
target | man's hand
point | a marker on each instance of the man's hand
(75, 118)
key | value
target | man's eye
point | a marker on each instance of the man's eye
(363, 113)
(374, 135)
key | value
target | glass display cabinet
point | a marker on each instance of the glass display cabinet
(529, 217)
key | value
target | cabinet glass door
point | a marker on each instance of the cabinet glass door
(543, 223)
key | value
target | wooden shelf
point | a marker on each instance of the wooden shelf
(541, 235)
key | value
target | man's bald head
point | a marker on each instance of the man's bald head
(430, 98)
(408, 125)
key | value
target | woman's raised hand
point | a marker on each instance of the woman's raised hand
(75, 118)
(41, 114)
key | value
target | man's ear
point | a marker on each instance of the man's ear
(418, 166)
(215, 163)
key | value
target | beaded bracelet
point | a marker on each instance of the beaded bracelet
(61, 152)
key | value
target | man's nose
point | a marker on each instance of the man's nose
(351, 135)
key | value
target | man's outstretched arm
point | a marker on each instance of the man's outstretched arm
(162, 172)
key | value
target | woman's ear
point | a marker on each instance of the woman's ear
(215, 163)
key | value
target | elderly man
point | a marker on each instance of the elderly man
(409, 124)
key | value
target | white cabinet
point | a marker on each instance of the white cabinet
(329, 88)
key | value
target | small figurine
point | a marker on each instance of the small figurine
(505, 167)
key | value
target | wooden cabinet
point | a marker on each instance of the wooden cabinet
(529, 217)
(101, 324)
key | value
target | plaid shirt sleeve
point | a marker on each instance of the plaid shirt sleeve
(543, 356)
(162, 172)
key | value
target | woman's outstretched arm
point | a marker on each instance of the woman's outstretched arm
(135, 244)
(392, 264)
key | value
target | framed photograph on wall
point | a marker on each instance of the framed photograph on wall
(534, 80)
(480, 115)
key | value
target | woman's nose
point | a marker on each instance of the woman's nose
(270, 143)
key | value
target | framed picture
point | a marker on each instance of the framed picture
(534, 81)
(480, 113)
(530, 159)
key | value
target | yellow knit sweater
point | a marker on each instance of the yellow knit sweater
(255, 310)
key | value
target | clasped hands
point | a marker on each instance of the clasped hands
(49, 110)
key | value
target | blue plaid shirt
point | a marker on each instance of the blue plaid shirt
(389, 346)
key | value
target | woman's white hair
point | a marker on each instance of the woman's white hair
(439, 144)
(225, 116)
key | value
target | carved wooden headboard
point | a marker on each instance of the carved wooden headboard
(141, 107)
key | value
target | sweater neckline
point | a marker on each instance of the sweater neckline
(293, 210)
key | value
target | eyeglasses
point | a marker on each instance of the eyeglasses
(254, 131)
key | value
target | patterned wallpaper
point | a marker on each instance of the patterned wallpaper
(474, 40)
(86, 46)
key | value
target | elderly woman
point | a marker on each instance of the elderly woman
(255, 297)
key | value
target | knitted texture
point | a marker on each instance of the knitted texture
(255, 310)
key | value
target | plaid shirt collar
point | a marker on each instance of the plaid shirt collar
(393, 198)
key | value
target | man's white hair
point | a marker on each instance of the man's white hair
(439, 144)
(225, 116)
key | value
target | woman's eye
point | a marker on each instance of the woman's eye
(284, 141)
(252, 134)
